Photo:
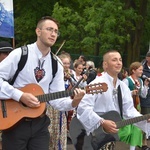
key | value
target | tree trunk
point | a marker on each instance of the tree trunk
(133, 46)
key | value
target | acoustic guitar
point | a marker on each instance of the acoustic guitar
(15, 111)
(98, 138)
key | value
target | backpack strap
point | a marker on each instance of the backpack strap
(54, 65)
(21, 63)
(23, 60)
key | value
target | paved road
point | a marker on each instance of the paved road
(119, 146)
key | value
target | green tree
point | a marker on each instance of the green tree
(27, 13)
(89, 27)
(96, 27)
(136, 33)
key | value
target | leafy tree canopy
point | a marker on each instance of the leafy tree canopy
(89, 27)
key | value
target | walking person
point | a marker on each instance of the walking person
(92, 72)
(58, 126)
(131, 134)
(32, 133)
(145, 102)
(79, 74)
(92, 109)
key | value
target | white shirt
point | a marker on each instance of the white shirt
(143, 89)
(90, 105)
(77, 78)
(9, 66)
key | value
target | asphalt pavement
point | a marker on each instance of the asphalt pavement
(118, 146)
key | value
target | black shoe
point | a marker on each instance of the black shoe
(145, 147)
(138, 148)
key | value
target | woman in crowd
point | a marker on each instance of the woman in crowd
(131, 134)
(79, 74)
(92, 73)
(60, 120)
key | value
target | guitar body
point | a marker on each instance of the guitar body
(78, 135)
(99, 138)
(15, 111)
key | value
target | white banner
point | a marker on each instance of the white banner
(6, 18)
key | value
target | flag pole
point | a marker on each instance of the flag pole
(13, 43)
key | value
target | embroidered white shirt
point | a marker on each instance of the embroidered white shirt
(92, 105)
(9, 66)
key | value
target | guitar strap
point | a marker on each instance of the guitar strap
(54, 66)
(120, 100)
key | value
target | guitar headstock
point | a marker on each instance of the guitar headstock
(96, 88)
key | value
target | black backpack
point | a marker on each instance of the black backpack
(23, 61)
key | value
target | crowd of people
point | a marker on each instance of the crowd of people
(50, 129)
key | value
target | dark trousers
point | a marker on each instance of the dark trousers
(29, 134)
(145, 110)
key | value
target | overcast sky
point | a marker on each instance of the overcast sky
(7, 4)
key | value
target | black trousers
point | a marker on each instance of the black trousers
(29, 134)
(145, 110)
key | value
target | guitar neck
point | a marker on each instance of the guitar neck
(90, 89)
(132, 120)
(53, 96)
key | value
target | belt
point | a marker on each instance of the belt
(31, 119)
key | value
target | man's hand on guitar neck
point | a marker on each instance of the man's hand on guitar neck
(29, 100)
(109, 126)
(79, 93)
